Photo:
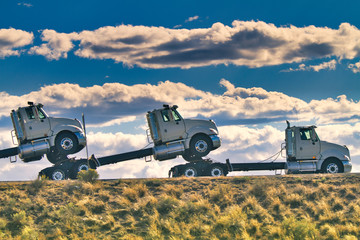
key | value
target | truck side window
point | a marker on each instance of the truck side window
(176, 115)
(30, 113)
(165, 115)
(305, 134)
(41, 114)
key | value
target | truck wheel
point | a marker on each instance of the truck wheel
(200, 145)
(57, 174)
(190, 172)
(66, 143)
(80, 166)
(332, 166)
(216, 171)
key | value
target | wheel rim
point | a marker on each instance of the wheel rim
(216, 172)
(83, 167)
(58, 175)
(332, 168)
(67, 143)
(190, 172)
(201, 146)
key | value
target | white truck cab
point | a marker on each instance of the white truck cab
(173, 135)
(307, 153)
(38, 134)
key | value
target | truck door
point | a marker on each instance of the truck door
(308, 144)
(172, 125)
(37, 124)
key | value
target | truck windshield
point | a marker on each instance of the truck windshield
(42, 114)
(165, 115)
(29, 112)
(308, 134)
(176, 115)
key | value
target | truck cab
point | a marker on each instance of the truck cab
(37, 134)
(190, 138)
(307, 153)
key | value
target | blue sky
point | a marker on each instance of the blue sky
(67, 17)
(259, 62)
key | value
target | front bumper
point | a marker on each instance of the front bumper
(216, 141)
(347, 165)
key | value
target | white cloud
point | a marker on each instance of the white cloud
(28, 5)
(57, 46)
(114, 122)
(11, 39)
(190, 19)
(245, 43)
(355, 67)
(330, 65)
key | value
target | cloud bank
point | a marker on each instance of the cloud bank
(114, 103)
(244, 43)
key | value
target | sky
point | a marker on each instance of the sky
(248, 65)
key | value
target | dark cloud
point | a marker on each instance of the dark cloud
(313, 50)
(97, 49)
(207, 51)
(5, 43)
(177, 45)
(138, 39)
(253, 40)
(195, 56)
(108, 111)
(345, 119)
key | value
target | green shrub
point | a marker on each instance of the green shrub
(18, 222)
(90, 175)
(299, 229)
(29, 233)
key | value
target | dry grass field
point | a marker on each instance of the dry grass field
(272, 207)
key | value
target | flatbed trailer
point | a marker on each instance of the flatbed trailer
(216, 169)
(69, 168)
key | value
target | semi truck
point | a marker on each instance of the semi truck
(37, 134)
(304, 153)
(173, 136)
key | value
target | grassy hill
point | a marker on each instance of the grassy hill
(274, 207)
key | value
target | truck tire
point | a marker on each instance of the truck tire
(66, 143)
(57, 174)
(190, 172)
(200, 146)
(216, 171)
(79, 166)
(82, 167)
(332, 165)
